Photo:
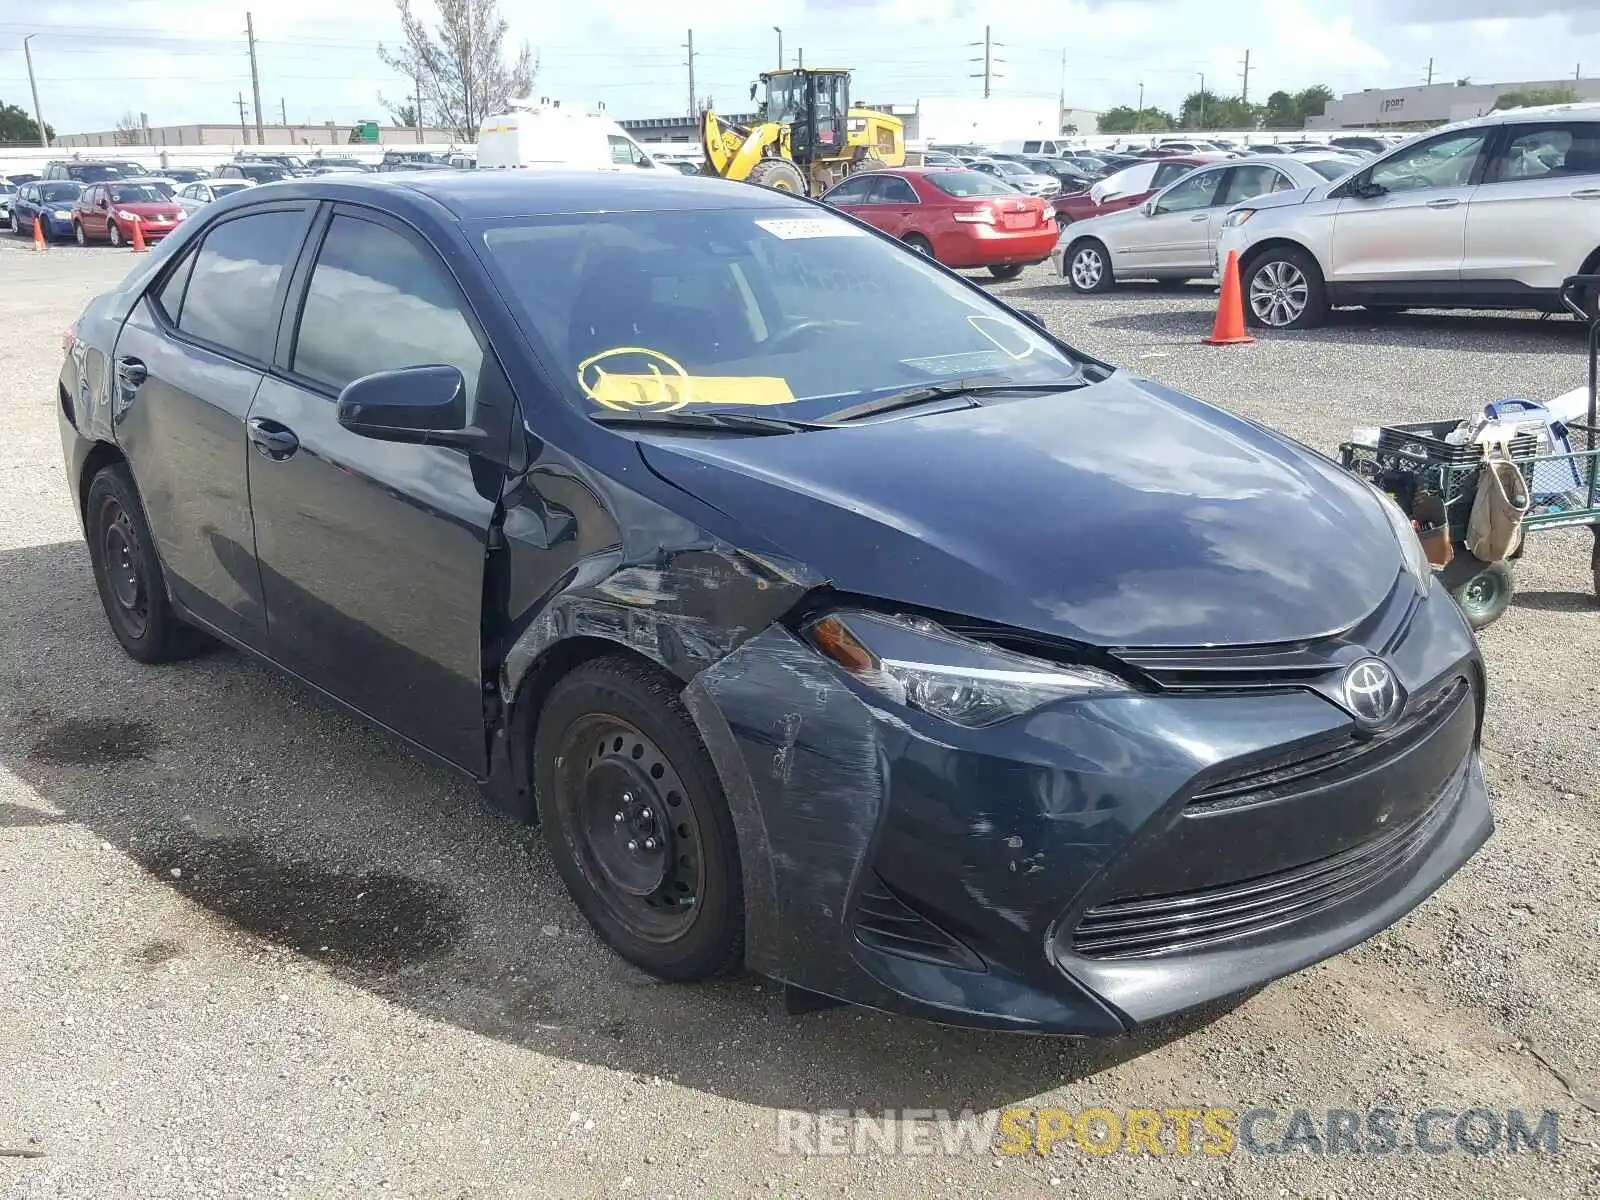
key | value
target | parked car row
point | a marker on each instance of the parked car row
(1491, 213)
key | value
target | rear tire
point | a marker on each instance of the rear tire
(1482, 591)
(921, 245)
(128, 574)
(1284, 289)
(1089, 267)
(16, 226)
(1007, 271)
(77, 232)
(637, 823)
(779, 174)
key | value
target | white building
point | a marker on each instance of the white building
(1431, 105)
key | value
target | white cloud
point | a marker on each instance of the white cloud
(184, 61)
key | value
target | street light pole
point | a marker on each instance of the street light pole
(44, 138)
(1202, 75)
(1138, 117)
(779, 32)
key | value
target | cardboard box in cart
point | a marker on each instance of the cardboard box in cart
(554, 138)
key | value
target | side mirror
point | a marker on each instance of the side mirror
(419, 405)
(1148, 208)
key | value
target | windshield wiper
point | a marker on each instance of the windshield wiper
(730, 422)
(954, 388)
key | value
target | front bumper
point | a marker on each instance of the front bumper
(1066, 872)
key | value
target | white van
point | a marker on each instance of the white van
(1048, 146)
(549, 136)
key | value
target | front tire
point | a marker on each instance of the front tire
(637, 823)
(779, 174)
(114, 235)
(1283, 289)
(1089, 267)
(16, 226)
(1005, 271)
(77, 232)
(128, 574)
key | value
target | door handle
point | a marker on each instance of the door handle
(1586, 194)
(275, 441)
(131, 373)
(1201, 217)
(1444, 202)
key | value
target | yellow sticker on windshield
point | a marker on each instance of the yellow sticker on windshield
(664, 391)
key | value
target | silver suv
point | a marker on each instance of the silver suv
(1489, 213)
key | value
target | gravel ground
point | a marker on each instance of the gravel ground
(255, 948)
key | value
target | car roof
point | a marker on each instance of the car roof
(1586, 110)
(475, 195)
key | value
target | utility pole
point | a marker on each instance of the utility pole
(283, 112)
(1244, 92)
(779, 32)
(44, 138)
(1202, 75)
(1138, 113)
(694, 105)
(1430, 72)
(1577, 73)
(989, 61)
(800, 60)
(244, 130)
(1061, 102)
(255, 77)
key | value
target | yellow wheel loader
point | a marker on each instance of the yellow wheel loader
(810, 137)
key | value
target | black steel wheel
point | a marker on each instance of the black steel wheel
(1481, 590)
(127, 572)
(637, 823)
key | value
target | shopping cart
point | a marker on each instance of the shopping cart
(1428, 474)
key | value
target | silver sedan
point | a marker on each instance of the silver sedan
(194, 196)
(1173, 235)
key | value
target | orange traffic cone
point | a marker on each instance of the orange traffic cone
(1229, 329)
(38, 234)
(139, 247)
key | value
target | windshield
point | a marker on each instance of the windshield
(261, 172)
(1331, 168)
(96, 172)
(779, 310)
(144, 193)
(1007, 167)
(785, 98)
(968, 185)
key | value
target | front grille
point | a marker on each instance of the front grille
(1328, 761)
(1275, 665)
(1154, 925)
(886, 922)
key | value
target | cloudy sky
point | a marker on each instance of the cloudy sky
(184, 61)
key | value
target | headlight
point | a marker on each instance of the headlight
(1411, 551)
(124, 215)
(62, 214)
(924, 666)
(1237, 218)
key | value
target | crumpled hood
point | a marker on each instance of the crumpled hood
(1121, 514)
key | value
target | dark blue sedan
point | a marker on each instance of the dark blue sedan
(834, 619)
(50, 202)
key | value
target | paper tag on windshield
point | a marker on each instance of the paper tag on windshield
(794, 228)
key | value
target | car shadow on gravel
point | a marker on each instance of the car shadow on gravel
(299, 830)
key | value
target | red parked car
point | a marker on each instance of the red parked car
(1148, 178)
(959, 217)
(107, 211)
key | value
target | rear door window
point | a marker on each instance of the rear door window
(1550, 150)
(232, 297)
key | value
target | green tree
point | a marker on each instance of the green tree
(461, 64)
(1533, 97)
(1219, 112)
(1123, 119)
(1289, 110)
(17, 126)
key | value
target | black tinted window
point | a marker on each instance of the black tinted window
(235, 280)
(170, 297)
(894, 190)
(378, 302)
(851, 191)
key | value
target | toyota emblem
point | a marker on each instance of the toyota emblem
(1371, 692)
